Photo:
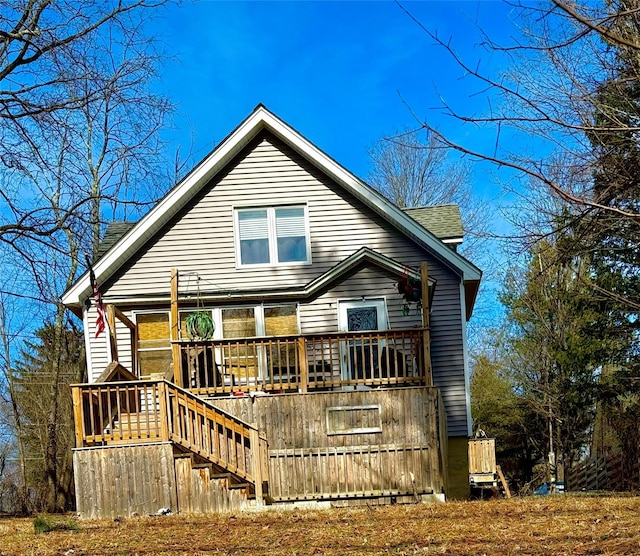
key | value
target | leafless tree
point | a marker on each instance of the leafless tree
(413, 168)
(563, 117)
(51, 55)
(545, 115)
(79, 127)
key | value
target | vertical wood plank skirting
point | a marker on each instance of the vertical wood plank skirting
(124, 481)
(307, 461)
(175, 326)
(199, 492)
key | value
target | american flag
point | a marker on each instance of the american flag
(101, 319)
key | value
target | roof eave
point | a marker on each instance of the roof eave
(370, 197)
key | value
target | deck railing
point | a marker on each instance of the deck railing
(156, 411)
(304, 362)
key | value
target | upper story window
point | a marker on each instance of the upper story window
(272, 235)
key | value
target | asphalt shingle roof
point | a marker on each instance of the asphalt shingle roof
(443, 221)
(115, 230)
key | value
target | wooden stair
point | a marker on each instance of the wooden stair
(158, 411)
(200, 490)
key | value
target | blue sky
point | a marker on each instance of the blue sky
(343, 73)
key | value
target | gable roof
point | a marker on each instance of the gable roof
(262, 119)
(443, 221)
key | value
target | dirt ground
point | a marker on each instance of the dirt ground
(535, 525)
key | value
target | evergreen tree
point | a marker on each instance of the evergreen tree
(45, 371)
(556, 344)
(501, 413)
(612, 237)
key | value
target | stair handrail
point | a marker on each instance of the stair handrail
(182, 409)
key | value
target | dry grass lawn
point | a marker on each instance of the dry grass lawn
(535, 525)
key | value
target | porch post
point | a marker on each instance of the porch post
(426, 338)
(175, 324)
(78, 416)
(163, 396)
(113, 340)
(133, 336)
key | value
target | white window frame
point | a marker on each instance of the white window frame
(272, 237)
(216, 313)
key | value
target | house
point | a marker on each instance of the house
(321, 384)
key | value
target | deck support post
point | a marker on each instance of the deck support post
(175, 326)
(426, 340)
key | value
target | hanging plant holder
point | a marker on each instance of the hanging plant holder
(199, 325)
(410, 289)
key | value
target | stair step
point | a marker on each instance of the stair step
(221, 476)
(238, 485)
(202, 466)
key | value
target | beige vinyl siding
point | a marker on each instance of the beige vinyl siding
(100, 356)
(321, 315)
(201, 239)
(99, 346)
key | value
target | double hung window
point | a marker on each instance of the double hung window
(272, 235)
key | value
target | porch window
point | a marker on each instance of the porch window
(241, 359)
(154, 343)
(282, 357)
(281, 320)
(272, 235)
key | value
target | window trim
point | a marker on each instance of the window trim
(272, 237)
(258, 312)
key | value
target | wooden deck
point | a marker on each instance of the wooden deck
(146, 412)
(382, 444)
(345, 417)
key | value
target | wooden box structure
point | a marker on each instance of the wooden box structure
(483, 472)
